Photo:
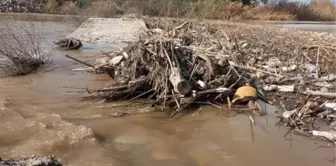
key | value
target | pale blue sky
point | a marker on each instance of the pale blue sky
(334, 1)
(303, 1)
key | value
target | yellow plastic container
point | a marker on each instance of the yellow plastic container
(244, 92)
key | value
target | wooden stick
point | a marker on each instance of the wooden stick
(317, 62)
(177, 103)
(255, 69)
(105, 53)
(77, 60)
(229, 103)
(318, 93)
(181, 26)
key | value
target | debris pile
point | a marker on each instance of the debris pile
(318, 120)
(177, 63)
(176, 67)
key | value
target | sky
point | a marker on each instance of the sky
(305, 1)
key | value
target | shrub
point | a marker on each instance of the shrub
(101, 8)
(21, 48)
(82, 4)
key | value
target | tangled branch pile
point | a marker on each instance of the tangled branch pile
(175, 66)
(318, 120)
(177, 63)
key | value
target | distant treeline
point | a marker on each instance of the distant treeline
(315, 10)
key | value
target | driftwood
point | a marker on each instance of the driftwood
(180, 84)
(310, 118)
(77, 60)
(317, 93)
(31, 161)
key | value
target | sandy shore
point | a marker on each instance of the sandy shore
(116, 31)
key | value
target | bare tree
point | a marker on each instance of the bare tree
(21, 48)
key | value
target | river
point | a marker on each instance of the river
(329, 27)
(42, 114)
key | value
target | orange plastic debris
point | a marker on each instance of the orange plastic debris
(244, 93)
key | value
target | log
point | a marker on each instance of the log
(31, 161)
(181, 85)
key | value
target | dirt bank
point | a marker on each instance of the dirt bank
(116, 31)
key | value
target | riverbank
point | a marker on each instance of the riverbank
(223, 10)
(42, 17)
(45, 116)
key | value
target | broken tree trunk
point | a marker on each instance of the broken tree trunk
(31, 161)
(181, 85)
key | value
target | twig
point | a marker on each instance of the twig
(106, 54)
(169, 60)
(180, 26)
(255, 69)
(216, 90)
(142, 94)
(252, 119)
(239, 77)
(177, 103)
(318, 93)
(317, 62)
(229, 103)
(77, 60)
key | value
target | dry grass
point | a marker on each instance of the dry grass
(322, 10)
(325, 10)
(21, 48)
(100, 8)
(214, 9)
(210, 9)
(236, 11)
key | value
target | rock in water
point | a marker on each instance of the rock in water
(69, 43)
(31, 161)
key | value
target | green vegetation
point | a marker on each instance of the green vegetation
(82, 4)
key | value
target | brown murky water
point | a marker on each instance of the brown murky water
(41, 114)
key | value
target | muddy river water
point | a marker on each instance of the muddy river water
(42, 114)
